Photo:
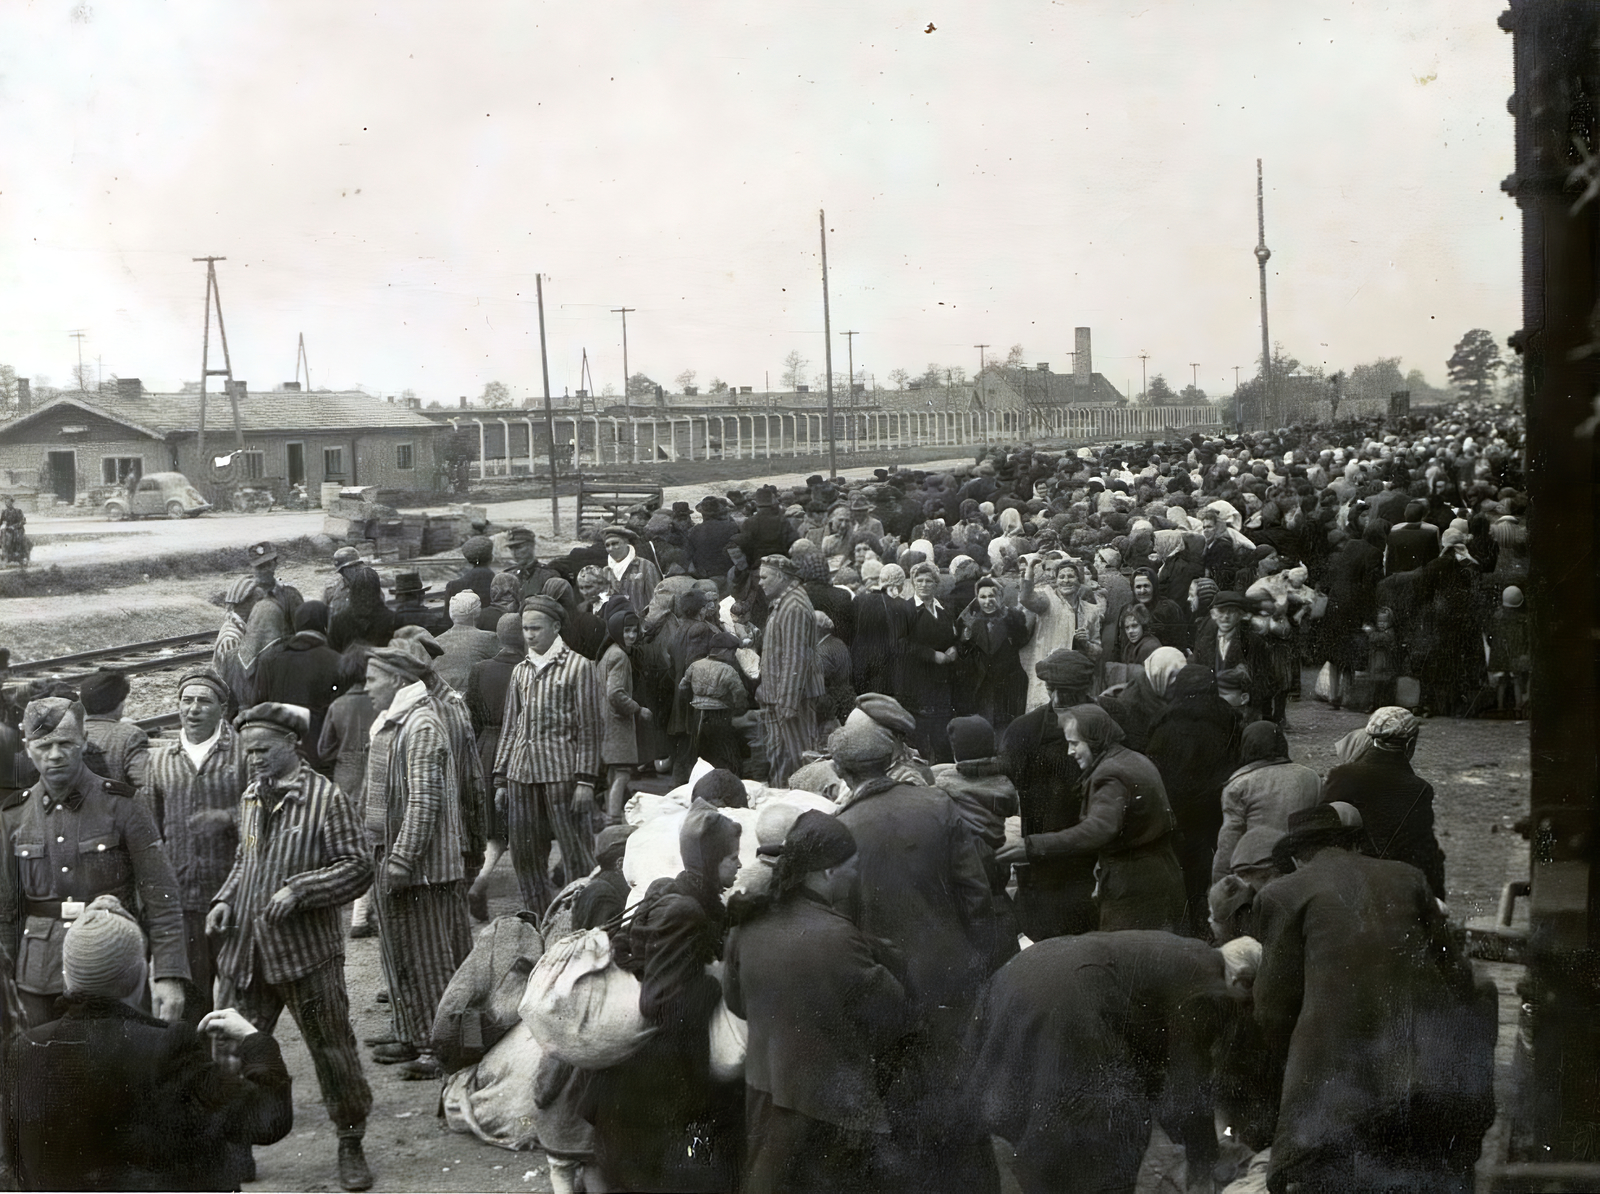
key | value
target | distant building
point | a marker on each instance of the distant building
(76, 444)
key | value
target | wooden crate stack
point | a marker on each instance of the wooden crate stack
(382, 533)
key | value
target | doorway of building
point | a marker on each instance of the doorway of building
(297, 464)
(64, 475)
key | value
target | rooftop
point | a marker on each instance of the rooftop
(276, 410)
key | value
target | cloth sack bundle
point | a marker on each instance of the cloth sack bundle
(581, 1006)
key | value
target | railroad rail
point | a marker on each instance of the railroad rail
(156, 655)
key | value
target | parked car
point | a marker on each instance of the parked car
(158, 495)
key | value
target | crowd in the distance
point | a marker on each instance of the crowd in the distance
(965, 798)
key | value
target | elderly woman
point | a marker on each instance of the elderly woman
(926, 676)
(1263, 793)
(1068, 617)
(1127, 823)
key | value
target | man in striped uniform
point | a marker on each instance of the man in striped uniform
(548, 761)
(414, 811)
(194, 789)
(301, 857)
(791, 673)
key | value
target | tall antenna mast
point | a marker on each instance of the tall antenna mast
(1269, 408)
(214, 295)
(300, 359)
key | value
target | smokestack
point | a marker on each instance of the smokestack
(1082, 362)
(24, 395)
(463, 402)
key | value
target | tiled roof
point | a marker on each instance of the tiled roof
(267, 411)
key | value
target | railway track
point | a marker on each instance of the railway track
(156, 655)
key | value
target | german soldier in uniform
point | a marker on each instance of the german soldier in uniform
(72, 836)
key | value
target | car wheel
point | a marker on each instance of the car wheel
(114, 512)
(174, 509)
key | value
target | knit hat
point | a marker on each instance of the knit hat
(885, 711)
(420, 636)
(103, 691)
(103, 953)
(509, 631)
(478, 550)
(548, 606)
(1065, 668)
(464, 606)
(721, 788)
(773, 822)
(815, 842)
(611, 843)
(971, 738)
(1205, 587)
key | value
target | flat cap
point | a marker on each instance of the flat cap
(549, 606)
(405, 657)
(783, 564)
(103, 691)
(1065, 668)
(288, 719)
(886, 711)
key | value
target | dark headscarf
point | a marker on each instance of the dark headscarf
(1263, 742)
(616, 624)
(707, 837)
(1097, 728)
(1192, 680)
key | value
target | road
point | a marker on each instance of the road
(78, 540)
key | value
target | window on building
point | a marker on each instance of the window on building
(333, 462)
(403, 456)
(252, 465)
(115, 470)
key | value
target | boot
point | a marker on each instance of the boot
(353, 1171)
(424, 1068)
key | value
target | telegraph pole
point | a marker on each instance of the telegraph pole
(1144, 386)
(549, 416)
(827, 345)
(1195, 365)
(300, 359)
(627, 402)
(214, 294)
(850, 349)
(78, 336)
(1268, 406)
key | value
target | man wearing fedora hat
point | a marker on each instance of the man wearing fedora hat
(72, 836)
(862, 520)
(408, 607)
(708, 541)
(767, 531)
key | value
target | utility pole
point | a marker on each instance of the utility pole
(1144, 386)
(549, 416)
(1268, 406)
(1195, 365)
(214, 295)
(300, 359)
(627, 402)
(78, 336)
(850, 349)
(827, 345)
(1236, 377)
(99, 372)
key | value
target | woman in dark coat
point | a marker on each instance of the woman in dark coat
(1141, 702)
(1167, 621)
(1127, 824)
(1195, 746)
(363, 616)
(1081, 1044)
(660, 1121)
(872, 653)
(925, 684)
(1353, 573)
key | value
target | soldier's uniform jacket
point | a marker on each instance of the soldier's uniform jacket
(96, 841)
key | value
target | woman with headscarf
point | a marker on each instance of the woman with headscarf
(365, 617)
(1168, 622)
(1127, 824)
(661, 1122)
(1068, 617)
(1180, 569)
(927, 651)
(1141, 702)
(877, 615)
(265, 631)
(821, 1007)
(1263, 792)
(619, 740)
(1202, 593)
(1395, 803)
(1446, 647)
(1195, 746)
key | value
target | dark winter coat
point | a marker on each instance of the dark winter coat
(109, 1098)
(1396, 806)
(1369, 1012)
(305, 673)
(1052, 894)
(990, 680)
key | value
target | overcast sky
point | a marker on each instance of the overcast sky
(389, 182)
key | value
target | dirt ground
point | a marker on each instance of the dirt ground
(1479, 769)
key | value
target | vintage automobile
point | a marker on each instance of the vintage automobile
(158, 495)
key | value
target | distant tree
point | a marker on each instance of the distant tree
(841, 383)
(1474, 364)
(1192, 395)
(686, 379)
(433, 404)
(932, 376)
(794, 370)
(1374, 381)
(609, 390)
(899, 378)
(1014, 358)
(641, 386)
(454, 455)
(717, 386)
(108, 385)
(1160, 393)
(83, 379)
(496, 395)
(1512, 389)
(8, 388)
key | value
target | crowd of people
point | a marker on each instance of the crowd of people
(986, 826)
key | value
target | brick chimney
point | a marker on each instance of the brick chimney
(130, 388)
(238, 389)
(1082, 362)
(291, 387)
(24, 395)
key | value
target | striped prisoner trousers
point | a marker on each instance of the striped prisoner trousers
(536, 815)
(788, 736)
(423, 936)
